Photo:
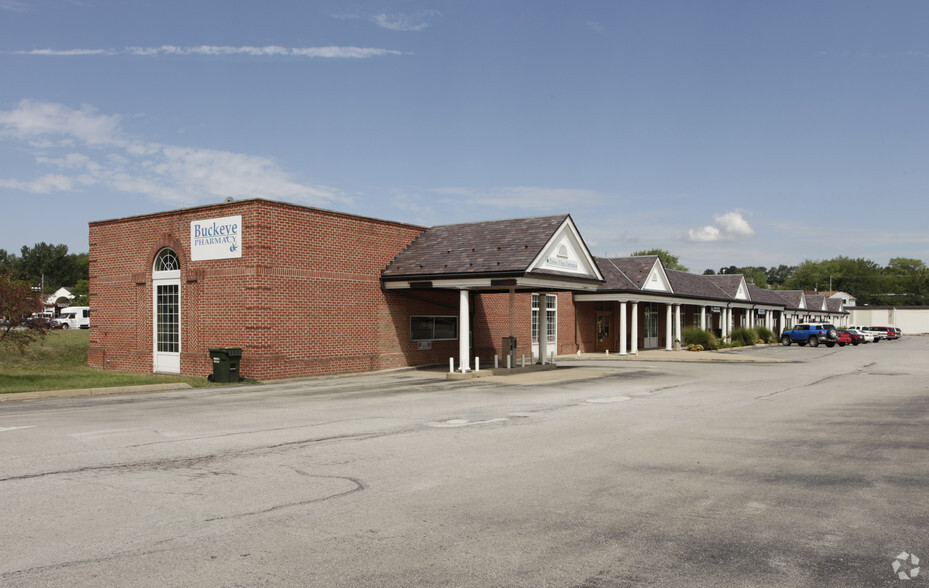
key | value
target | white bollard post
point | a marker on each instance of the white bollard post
(524, 360)
(496, 361)
(509, 360)
(552, 358)
(451, 364)
(477, 363)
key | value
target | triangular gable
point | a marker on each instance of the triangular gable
(565, 252)
(657, 280)
(742, 292)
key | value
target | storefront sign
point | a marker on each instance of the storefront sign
(714, 309)
(216, 238)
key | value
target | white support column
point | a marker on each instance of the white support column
(667, 327)
(724, 321)
(677, 323)
(543, 328)
(703, 318)
(464, 331)
(622, 328)
(634, 334)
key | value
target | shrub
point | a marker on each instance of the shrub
(697, 336)
(741, 336)
(765, 334)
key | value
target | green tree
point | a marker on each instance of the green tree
(862, 278)
(909, 279)
(778, 275)
(668, 260)
(53, 263)
(81, 292)
(8, 261)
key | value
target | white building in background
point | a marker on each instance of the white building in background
(59, 299)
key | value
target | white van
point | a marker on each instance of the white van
(74, 317)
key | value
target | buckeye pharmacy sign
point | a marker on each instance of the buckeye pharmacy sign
(216, 238)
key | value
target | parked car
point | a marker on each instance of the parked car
(899, 331)
(866, 336)
(885, 332)
(845, 338)
(814, 334)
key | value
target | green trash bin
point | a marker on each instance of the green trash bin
(225, 364)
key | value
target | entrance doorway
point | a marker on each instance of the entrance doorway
(651, 326)
(604, 331)
(166, 298)
(551, 317)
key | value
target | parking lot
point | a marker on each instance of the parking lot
(811, 470)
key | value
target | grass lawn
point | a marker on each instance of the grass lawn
(60, 363)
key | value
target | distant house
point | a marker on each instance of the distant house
(61, 298)
(846, 298)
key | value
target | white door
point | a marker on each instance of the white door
(166, 299)
(650, 339)
(168, 326)
(551, 317)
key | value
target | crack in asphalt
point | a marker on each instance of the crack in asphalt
(78, 562)
(359, 486)
(192, 462)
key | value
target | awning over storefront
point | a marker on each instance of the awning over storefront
(535, 254)
(529, 254)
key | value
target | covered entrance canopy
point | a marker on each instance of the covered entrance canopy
(531, 254)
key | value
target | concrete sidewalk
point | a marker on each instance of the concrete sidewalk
(734, 355)
(544, 372)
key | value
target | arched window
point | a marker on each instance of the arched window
(166, 261)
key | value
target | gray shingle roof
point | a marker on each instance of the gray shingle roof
(686, 284)
(616, 280)
(765, 296)
(635, 268)
(814, 302)
(729, 283)
(793, 298)
(504, 246)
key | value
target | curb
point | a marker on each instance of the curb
(92, 391)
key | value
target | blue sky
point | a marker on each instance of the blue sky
(727, 132)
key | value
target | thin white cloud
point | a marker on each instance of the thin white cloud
(87, 147)
(329, 52)
(46, 123)
(45, 185)
(14, 5)
(730, 226)
(395, 21)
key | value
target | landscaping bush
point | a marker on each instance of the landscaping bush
(741, 336)
(765, 334)
(697, 336)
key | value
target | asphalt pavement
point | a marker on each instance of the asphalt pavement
(801, 467)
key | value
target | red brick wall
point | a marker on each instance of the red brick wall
(492, 324)
(303, 299)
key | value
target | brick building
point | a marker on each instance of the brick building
(304, 291)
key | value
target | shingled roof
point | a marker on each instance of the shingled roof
(729, 283)
(499, 248)
(636, 268)
(616, 280)
(793, 298)
(763, 296)
(696, 286)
